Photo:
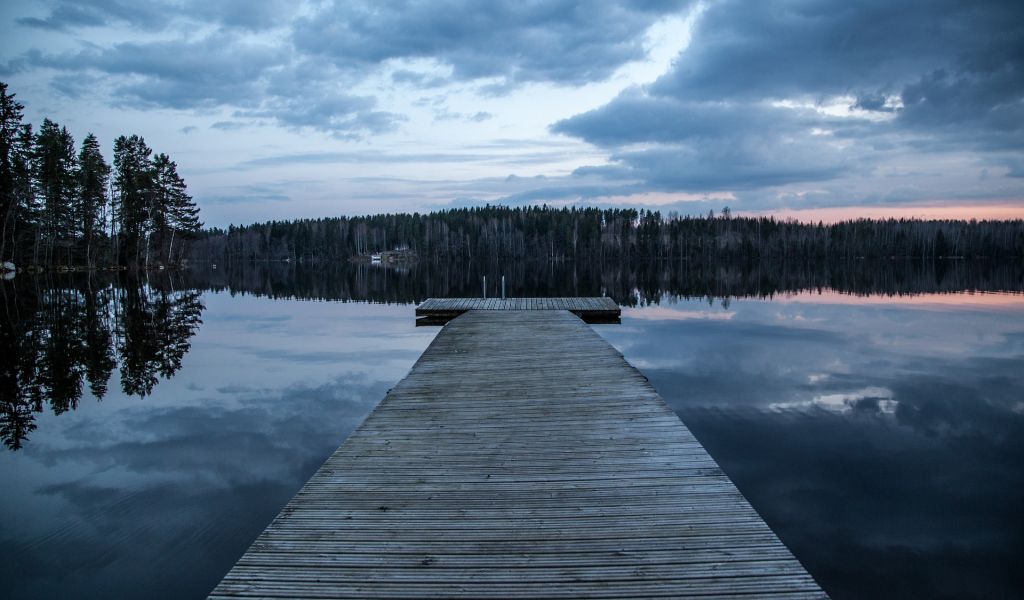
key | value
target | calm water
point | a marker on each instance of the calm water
(881, 436)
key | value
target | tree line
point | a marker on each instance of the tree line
(545, 233)
(65, 207)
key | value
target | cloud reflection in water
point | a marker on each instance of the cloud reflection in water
(882, 440)
(158, 497)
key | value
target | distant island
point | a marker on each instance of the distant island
(593, 234)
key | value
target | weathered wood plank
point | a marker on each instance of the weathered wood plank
(586, 308)
(522, 457)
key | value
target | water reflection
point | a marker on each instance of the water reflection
(882, 436)
(67, 331)
(882, 440)
(628, 283)
(156, 498)
(62, 333)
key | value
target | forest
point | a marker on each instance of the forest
(600, 235)
(67, 209)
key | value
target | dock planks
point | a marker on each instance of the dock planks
(522, 457)
(435, 311)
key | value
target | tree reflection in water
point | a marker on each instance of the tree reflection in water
(630, 283)
(59, 333)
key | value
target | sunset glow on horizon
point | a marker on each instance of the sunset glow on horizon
(980, 212)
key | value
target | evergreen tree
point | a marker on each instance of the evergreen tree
(24, 217)
(134, 182)
(174, 212)
(54, 174)
(93, 174)
(10, 128)
(163, 189)
(55, 203)
(182, 212)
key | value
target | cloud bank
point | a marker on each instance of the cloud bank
(795, 105)
(768, 95)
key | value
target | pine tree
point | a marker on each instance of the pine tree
(10, 127)
(52, 198)
(134, 182)
(93, 174)
(182, 212)
(165, 181)
(54, 173)
(23, 217)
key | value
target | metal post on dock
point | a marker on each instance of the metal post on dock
(502, 287)
(485, 287)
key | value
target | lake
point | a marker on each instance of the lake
(872, 414)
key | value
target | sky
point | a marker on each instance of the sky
(277, 109)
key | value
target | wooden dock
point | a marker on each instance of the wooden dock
(437, 311)
(522, 457)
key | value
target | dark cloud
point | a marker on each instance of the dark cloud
(703, 146)
(562, 41)
(513, 178)
(260, 80)
(984, 111)
(736, 110)
(742, 164)
(215, 70)
(74, 86)
(253, 15)
(634, 116)
(342, 115)
(874, 102)
(244, 14)
(304, 94)
(421, 80)
(301, 79)
(1014, 167)
(64, 15)
(227, 125)
(831, 47)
